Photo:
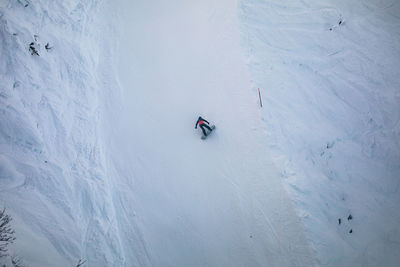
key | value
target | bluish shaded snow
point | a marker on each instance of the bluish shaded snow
(328, 73)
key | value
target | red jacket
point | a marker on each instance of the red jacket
(201, 121)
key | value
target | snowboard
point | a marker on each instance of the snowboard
(203, 137)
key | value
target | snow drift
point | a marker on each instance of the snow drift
(55, 180)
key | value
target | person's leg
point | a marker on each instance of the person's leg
(208, 127)
(204, 130)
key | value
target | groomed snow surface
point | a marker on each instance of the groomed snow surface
(99, 158)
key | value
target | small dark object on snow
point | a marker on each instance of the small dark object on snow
(32, 49)
(48, 47)
(80, 263)
(340, 22)
(26, 3)
(350, 217)
(45, 161)
(351, 230)
(340, 221)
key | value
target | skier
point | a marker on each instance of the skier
(202, 123)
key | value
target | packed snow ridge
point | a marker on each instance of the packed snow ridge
(100, 163)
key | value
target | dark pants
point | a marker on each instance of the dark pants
(204, 130)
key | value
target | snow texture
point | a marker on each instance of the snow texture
(99, 158)
(328, 73)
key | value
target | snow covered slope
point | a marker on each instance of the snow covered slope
(217, 202)
(329, 76)
(99, 158)
(54, 174)
(129, 183)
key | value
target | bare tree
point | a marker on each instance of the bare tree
(33, 49)
(80, 263)
(16, 261)
(6, 233)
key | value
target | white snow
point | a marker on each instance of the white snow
(99, 158)
(54, 178)
(331, 110)
(199, 203)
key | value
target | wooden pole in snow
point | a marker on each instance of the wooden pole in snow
(259, 95)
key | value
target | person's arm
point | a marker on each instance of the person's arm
(196, 124)
(206, 121)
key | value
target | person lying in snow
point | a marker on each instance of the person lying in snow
(202, 123)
